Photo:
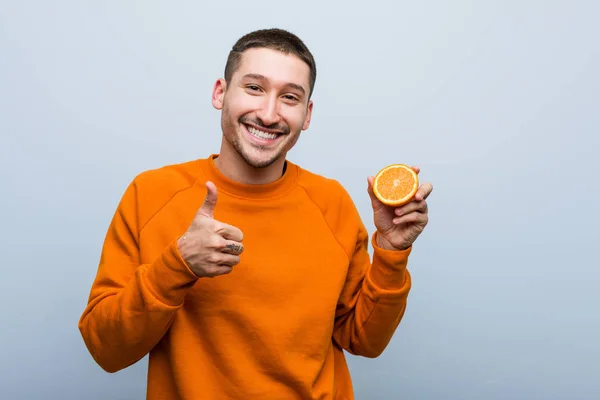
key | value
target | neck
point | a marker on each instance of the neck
(234, 167)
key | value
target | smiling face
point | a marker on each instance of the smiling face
(265, 106)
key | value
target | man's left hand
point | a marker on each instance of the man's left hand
(399, 227)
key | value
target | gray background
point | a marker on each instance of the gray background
(497, 101)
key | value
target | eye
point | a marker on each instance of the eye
(290, 97)
(253, 88)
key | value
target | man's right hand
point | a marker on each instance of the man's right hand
(209, 247)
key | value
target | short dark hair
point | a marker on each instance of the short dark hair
(274, 39)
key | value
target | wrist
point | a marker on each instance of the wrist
(169, 277)
(385, 244)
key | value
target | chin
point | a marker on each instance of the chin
(256, 156)
(258, 162)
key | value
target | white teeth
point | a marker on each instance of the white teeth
(261, 134)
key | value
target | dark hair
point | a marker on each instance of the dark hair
(274, 39)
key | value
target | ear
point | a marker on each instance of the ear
(308, 115)
(218, 93)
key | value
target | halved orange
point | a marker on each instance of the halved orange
(396, 184)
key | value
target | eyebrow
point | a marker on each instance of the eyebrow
(263, 78)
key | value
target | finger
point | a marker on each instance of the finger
(423, 192)
(230, 232)
(416, 168)
(370, 180)
(374, 200)
(232, 247)
(218, 270)
(210, 202)
(413, 218)
(418, 206)
(229, 260)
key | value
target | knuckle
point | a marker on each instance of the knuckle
(217, 242)
(213, 258)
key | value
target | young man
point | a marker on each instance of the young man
(243, 275)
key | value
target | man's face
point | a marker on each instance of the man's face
(265, 105)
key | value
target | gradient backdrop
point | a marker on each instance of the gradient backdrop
(497, 101)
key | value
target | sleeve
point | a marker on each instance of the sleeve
(374, 297)
(131, 305)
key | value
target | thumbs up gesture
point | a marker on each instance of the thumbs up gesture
(209, 247)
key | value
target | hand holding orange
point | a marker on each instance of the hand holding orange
(400, 209)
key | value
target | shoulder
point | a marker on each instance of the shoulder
(332, 198)
(151, 190)
(324, 191)
(168, 179)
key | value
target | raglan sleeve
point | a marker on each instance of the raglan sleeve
(131, 305)
(374, 297)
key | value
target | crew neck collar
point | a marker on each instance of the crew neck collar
(259, 191)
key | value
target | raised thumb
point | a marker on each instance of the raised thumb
(210, 202)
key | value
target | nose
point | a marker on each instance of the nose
(269, 111)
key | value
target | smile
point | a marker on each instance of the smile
(257, 133)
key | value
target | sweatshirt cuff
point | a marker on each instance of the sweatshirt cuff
(388, 271)
(169, 277)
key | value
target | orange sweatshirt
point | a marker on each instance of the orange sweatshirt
(276, 326)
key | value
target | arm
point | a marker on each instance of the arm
(373, 299)
(375, 294)
(131, 305)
